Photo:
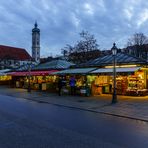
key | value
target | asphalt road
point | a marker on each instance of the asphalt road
(28, 124)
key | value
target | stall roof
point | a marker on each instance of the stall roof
(118, 69)
(121, 59)
(54, 64)
(32, 73)
(75, 71)
(4, 71)
(25, 67)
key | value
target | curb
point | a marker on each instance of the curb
(89, 110)
(84, 109)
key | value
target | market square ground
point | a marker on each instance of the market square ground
(127, 106)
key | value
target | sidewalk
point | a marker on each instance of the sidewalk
(127, 107)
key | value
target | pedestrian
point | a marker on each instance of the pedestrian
(72, 84)
(60, 86)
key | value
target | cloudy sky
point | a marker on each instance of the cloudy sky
(61, 21)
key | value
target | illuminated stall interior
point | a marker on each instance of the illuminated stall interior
(37, 78)
(4, 78)
(83, 80)
(132, 82)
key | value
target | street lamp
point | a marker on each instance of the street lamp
(29, 70)
(114, 52)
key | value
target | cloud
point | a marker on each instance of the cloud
(88, 8)
(143, 17)
(128, 12)
(61, 22)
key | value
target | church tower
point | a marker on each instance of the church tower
(36, 43)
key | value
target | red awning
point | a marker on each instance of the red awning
(32, 73)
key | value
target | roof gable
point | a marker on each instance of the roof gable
(7, 52)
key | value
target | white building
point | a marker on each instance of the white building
(36, 43)
(13, 57)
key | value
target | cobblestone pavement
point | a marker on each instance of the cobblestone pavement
(128, 107)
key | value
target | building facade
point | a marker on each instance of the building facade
(140, 51)
(13, 57)
(36, 43)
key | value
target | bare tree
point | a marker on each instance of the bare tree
(84, 50)
(137, 39)
(67, 50)
(137, 45)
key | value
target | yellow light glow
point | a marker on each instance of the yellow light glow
(5, 78)
(121, 66)
(140, 76)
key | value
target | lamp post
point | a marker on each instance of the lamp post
(29, 70)
(114, 52)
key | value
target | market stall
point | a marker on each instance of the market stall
(83, 80)
(4, 78)
(39, 80)
(129, 81)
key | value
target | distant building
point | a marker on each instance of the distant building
(44, 60)
(36, 43)
(13, 57)
(82, 57)
(105, 52)
(140, 51)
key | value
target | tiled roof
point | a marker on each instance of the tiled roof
(7, 52)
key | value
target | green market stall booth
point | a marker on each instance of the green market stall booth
(131, 79)
(83, 81)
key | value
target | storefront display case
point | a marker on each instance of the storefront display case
(5, 80)
(121, 85)
(83, 85)
(136, 84)
(101, 85)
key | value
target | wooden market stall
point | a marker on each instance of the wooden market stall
(131, 75)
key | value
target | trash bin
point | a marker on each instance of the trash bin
(85, 91)
(88, 91)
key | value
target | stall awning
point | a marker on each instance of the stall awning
(4, 72)
(32, 73)
(118, 69)
(75, 71)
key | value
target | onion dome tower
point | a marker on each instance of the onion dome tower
(36, 43)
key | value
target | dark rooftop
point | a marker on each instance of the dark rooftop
(121, 58)
(7, 52)
(54, 64)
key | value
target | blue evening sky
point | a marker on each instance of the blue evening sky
(61, 21)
